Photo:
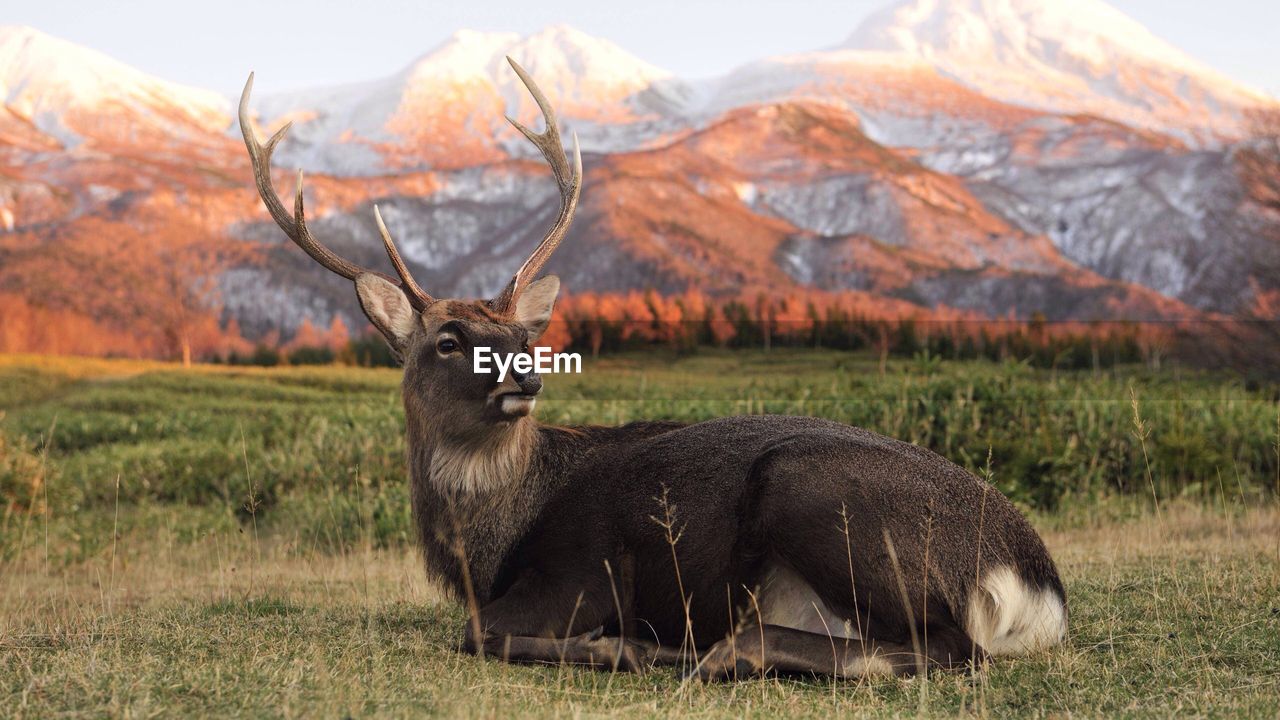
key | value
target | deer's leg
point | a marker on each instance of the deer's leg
(768, 649)
(591, 649)
(549, 618)
(660, 654)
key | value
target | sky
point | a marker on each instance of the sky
(293, 44)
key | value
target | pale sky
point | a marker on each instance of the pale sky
(302, 43)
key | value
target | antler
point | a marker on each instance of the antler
(569, 180)
(295, 226)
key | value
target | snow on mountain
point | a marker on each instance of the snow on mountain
(72, 93)
(920, 74)
(1068, 56)
(901, 101)
(1131, 206)
(446, 109)
(80, 131)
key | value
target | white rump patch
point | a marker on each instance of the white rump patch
(1007, 617)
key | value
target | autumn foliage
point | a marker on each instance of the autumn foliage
(100, 286)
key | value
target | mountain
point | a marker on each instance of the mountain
(918, 73)
(765, 199)
(446, 109)
(796, 194)
(79, 131)
(78, 96)
(877, 169)
(901, 101)
(1068, 119)
(1066, 56)
(1128, 205)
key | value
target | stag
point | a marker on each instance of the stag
(739, 546)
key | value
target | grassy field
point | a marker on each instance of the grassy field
(235, 542)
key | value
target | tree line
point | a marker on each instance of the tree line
(602, 324)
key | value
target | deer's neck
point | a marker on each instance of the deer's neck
(496, 463)
(475, 500)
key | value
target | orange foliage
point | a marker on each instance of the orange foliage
(99, 286)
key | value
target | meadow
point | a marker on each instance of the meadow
(235, 541)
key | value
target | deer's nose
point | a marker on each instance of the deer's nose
(530, 383)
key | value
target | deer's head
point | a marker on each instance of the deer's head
(435, 338)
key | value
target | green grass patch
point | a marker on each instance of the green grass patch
(223, 435)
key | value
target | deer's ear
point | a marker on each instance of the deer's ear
(387, 308)
(533, 307)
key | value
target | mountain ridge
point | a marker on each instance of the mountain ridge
(57, 85)
(1064, 56)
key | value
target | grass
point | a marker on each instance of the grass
(174, 436)
(234, 542)
(1173, 617)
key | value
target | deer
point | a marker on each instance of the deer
(736, 547)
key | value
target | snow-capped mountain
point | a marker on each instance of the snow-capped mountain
(765, 198)
(446, 109)
(1068, 56)
(997, 156)
(919, 73)
(75, 94)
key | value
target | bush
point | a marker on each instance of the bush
(311, 356)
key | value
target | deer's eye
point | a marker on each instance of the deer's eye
(447, 346)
